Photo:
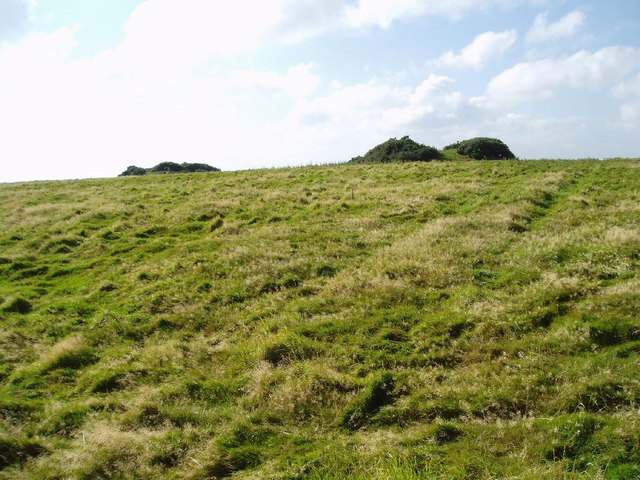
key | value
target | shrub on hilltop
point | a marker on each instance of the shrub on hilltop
(394, 150)
(166, 167)
(198, 167)
(482, 148)
(133, 170)
(169, 167)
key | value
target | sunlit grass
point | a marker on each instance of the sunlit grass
(441, 320)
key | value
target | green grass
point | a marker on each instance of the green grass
(442, 320)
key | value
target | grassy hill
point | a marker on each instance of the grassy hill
(440, 320)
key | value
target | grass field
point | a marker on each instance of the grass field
(440, 320)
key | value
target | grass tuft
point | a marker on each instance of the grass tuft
(18, 305)
(377, 394)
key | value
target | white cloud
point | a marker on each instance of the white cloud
(539, 80)
(299, 81)
(164, 34)
(66, 118)
(303, 19)
(190, 33)
(14, 17)
(629, 88)
(383, 13)
(432, 101)
(567, 26)
(630, 113)
(629, 93)
(164, 37)
(353, 107)
(350, 119)
(379, 106)
(484, 47)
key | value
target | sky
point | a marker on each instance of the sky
(89, 87)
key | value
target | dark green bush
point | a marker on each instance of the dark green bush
(166, 167)
(482, 148)
(394, 150)
(169, 167)
(198, 167)
(132, 170)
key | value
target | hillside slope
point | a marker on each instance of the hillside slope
(438, 320)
